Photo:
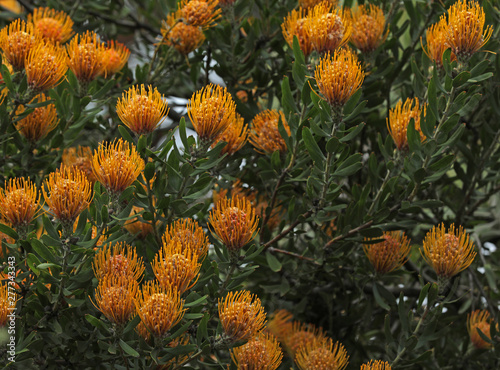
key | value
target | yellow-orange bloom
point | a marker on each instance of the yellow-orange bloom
(40, 122)
(465, 29)
(87, 56)
(199, 13)
(116, 56)
(261, 352)
(55, 26)
(322, 354)
(376, 365)
(141, 109)
(119, 260)
(479, 320)
(211, 111)
(137, 226)
(117, 165)
(390, 254)
(46, 65)
(235, 135)
(368, 24)
(183, 37)
(70, 193)
(115, 296)
(339, 76)
(189, 234)
(448, 251)
(5, 303)
(298, 335)
(81, 158)
(280, 324)
(159, 308)
(12, 6)
(241, 315)
(16, 40)
(294, 24)
(436, 42)
(399, 118)
(264, 134)
(327, 30)
(19, 202)
(234, 222)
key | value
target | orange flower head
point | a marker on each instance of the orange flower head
(81, 158)
(479, 320)
(327, 30)
(399, 118)
(390, 254)
(260, 352)
(294, 24)
(12, 6)
(116, 56)
(241, 315)
(55, 26)
(189, 234)
(280, 324)
(141, 110)
(183, 37)
(70, 193)
(376, 365)
(87, 56)
(6, 303)
(19, 202)
(339, 76)
(211, 111)
(119, 260)
(136, 226)
(235, 135)
(322, 354)
(448, 251)
(436, 42)
(16, 40)
(312, 3)
(39, 123)
(160, 308)
(117, 165)
(46, 66)
(264, 134)
(115, 297)
(234, 222)
(465, 34)
(199, 13)
(299, 334)
(368, 26)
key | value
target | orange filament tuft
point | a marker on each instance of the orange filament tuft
(54, 26)
(40, 122)
(264, 134)
(399, 118)
(390, 254)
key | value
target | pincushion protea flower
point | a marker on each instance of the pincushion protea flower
(448, 251)
(159, 308)
(199, 13)
(234, 222)
(40, 122)
(118, 260)
(12, 6)
(141, 109)
(436, 44)
(211, 111)
(241, 315)
(376, 365)
(322, 354)
(299, 334)
(479, 320)
(116, 56)
(87, 56)
(46, 66)
(117, 165)
(137, 226)
(280, 324)
(368, 24)
(399, 118)
(260, 352)
(6, 303)
(16, 40)
(264, 134)
(189, 234)
(55, 26)
(183, 37)
(81, 158)
(339, 76)
(294, 24)
(235, 135)
(19, 202)
(390, 254)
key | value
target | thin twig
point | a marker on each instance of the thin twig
(286, 231)
(295, 255)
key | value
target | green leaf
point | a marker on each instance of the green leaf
(94, 321)
(350, 166)
(482, 77)
(379, 300)
(125, 134)
(8, 231)
(43, 251)
(202, 331)
(273, 262)
(352, 102)
(313, 148)
(461, 79)
(129, 350)
(287, 101)
(182, 133)
(299, 65)
(444, 162)
(403, 314)
(432, 96)
(353, 132)
(423, 294)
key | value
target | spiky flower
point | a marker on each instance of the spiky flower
(339, 76)
(376, 365)
(183, 37)
(479, 320)
(234, 222)
(55, 26)
(368, 24)
(19, 202)
(235, 135)
(465, 34)
(211, 111)
(116, 56)
(241, 315)
(46, 65)
(299, 334)
(137, 226)
(189, 234)
(12, 6)
(6, 304)
(261, 352)
(68, 193)
(448, 251)
(436, 43)
(39, 123)
(199, 13)
(81, 158)
(16, 40)
(118, 260)
(87, 56)
(264, 133)
(160, 308)
(141, 109)
(294, 24)
(390, 254)
(117, 165)
(399, 118)
(322, 354)
(327, 29)
(280, 324)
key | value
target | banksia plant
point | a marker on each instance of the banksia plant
(87, 57)
(261, 352)
(189, 234)
(116, 56)
(141, 109)
(53, 25)
(436, 43)
(294, 24)
(235, 136)
(16, 41)
(115, 298)
(264, 133)
(159, 308)
(81, 158)
(118, 260)
(322, 354)
(36, 125)
(368, 25)
(199, 13)
(185, 38)
(376, 365)
(389, 254)
(46, 66)
(479, 320)
(399, 118)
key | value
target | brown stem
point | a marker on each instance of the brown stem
(295, 255)
(287, 231)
